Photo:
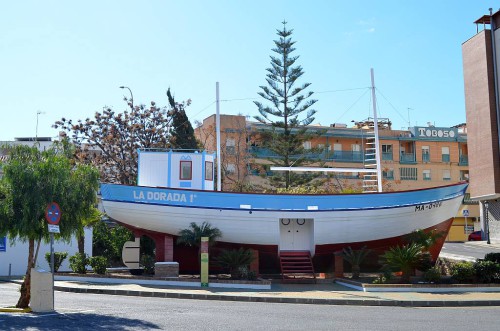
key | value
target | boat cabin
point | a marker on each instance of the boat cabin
(188, 169)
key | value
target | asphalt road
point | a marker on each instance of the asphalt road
(103, 312)
(476, 250)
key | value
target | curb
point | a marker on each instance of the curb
(315, 301)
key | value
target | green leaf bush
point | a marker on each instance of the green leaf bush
(59, 257)
(98, 264)
(78, 262)
(463, 272)
(148, 263)
(487, 271)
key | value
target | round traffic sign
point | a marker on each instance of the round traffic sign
(53, 213)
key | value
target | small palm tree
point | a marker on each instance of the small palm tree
(355, 258)
(192, 235)
(234, 260)
(425, 239)
(403, 258)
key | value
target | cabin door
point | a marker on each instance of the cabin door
(296, 234)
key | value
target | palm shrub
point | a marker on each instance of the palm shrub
(98, 264)
(234, 260)
(78, 262)
(355, 258)
(403, 258)
(59, 257)
(192, 235)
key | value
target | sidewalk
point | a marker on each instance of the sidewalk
(325, 294)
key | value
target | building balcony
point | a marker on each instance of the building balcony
(426, 158)
(464, 160)
(344, 156)
(387, 156)
(407, 158)
(445, 158)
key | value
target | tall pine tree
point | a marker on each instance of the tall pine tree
(288, 101)
(182, 133)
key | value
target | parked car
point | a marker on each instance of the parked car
(475, 236)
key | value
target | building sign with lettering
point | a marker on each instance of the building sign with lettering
(435, 133)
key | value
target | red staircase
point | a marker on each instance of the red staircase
(296, 266)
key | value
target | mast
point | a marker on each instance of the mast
(375, 130)
(217, 134)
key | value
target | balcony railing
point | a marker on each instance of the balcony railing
(387, 156)
(407, 158)
(464, 160)
(337, 156)
(426, 157)
(445, 158)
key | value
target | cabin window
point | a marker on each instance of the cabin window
(209, 170)
(186, 172)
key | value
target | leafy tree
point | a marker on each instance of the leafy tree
(108, 241)
(181, 132)
(33, 179)
(288, 101)
(110, 140)
(192, 235)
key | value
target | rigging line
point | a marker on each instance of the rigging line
(242, 99)
(342, 90)
(355, 102)
(397, 111)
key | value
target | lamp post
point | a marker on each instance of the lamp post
(487, 222)
(38, 113)
(131, 95)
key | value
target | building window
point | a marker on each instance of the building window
(3, 244)
(446, 174)
(408, 173)
(426, 175)
(307, 144)
(186, 170)
(209, 170)
(387, 152)
(231, 168)
(445, 154)
(388, 174)
(426, 154)
(464, 174)
(230, 146)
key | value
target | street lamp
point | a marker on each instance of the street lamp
(38, 113)
(487, 222)
(131, 95)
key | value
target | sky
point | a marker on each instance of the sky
(68, 58)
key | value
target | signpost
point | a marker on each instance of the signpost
(204, 262)
(53, 216)
(465, 214)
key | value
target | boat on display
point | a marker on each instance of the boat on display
(315, 223)
(176, 188)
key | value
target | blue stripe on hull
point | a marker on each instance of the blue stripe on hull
(275, 202)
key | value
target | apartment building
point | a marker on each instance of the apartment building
(418, 158)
